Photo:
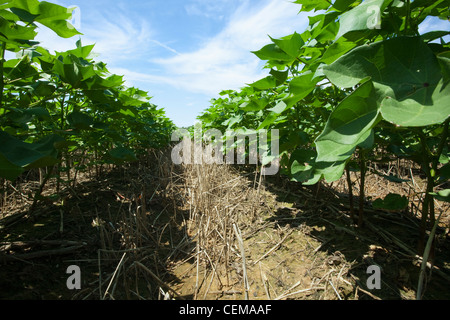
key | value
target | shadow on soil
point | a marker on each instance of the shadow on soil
(327, 213)
(92, 229)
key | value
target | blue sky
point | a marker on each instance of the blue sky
(183, 52)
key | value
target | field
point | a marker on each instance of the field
(99, 202)
(153, 232)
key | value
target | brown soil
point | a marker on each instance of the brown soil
(156, 231)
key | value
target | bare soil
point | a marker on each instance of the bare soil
(152, 231)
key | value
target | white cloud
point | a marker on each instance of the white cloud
(225, 61)
(116, 36)
(222, 62)
(120, 37)
(210, 9)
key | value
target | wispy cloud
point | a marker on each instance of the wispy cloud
(117, 36)
(210, 9)
(224, 61)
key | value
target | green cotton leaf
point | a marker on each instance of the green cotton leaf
(272, 52)
(74, 71)
(349, 125)
(122, 154)
(80, 120)
(69, 73)
(331, 151)
(392, 202)
(80, 51)
(270, 119)
(323, 28)
(233, 120)
(291, 44)
(24, 15)
(279, 108)
(48, 148)
(13, 33)
(433, 35)
(16, 155)
(254, 104)
(408, 75)
(133, 97)
(51, 15)
(336, 50)
(264, 84)
(391, 178)
(17, 152)
(26, 115)
(343, 5)
(97, 82)
(301, 86)
(280, 76)
(443, 195)
(444, 173)
(22, 70)
(9, 170)
(129, 112)
(302, 164)
(330, 171)
(301, 172)
(316, 5)
(365, 16)
(43, 89)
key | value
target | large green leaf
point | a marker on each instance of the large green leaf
(291, 44)
(349, 124)
(413, 90)
(80, 120)
(443, 195)
(265, 83)
(343, 5)
(330, 171)
(392, 201)
(336, 50)
(16, 155)
(332, 151)
(49, 14)
(122, 154)
(272, 52)
(363, 17)
(12, 32)
(300, 87)
(302, 164)
(9, 170)
(82, 51)
(308, 5)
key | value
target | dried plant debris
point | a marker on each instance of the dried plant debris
(213, 232)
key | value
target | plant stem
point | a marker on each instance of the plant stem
(350, 192)
(426, 254)
(428, 202)
(408, 17)
(41, 189)
(361, 192)
(2, 83)
(441, 146)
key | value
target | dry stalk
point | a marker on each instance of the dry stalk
(244, 265)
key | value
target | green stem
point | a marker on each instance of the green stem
(408, 17)
(350, 192)
(425, 257)
(38, 194)
(2, 83)
(362, 191)
(442, 144)
(428, 202)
